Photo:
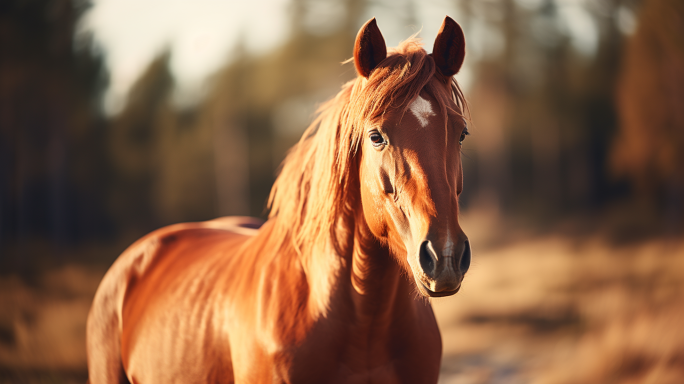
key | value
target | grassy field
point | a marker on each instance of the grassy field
(533, 309)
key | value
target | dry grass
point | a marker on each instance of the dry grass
(559, 310)
(42, 325)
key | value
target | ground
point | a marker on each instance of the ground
(534, 308)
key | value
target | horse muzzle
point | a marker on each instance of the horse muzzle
(439, 276)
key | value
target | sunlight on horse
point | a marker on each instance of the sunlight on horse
(332, 288)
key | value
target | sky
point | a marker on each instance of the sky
(199, 33)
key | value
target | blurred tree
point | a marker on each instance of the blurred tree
(258, 107)
(133, 144)
(649, 148)
(220, 156)
(162, 160)
(542, 105)
(52, 166)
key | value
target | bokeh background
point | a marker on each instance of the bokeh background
(121, 116)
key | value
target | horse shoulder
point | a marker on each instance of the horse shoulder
(142, 255)
(180, 262)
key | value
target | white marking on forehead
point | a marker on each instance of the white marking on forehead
(422, 109)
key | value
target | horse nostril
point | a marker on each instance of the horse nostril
(427, 258)
(465, 258)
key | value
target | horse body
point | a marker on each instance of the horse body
(320, 292)
(279, 334)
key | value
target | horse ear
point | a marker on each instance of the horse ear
(369, 48)
(449, 49)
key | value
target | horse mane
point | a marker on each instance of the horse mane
(312, 192)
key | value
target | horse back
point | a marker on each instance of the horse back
(164, 283)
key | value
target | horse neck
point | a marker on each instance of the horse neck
(377, 287)
(359, 270)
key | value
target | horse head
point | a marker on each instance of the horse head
(410, 172)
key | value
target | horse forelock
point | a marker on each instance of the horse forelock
(313, 191)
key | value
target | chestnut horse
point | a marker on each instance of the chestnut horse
(332, 288)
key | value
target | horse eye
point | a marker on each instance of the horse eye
(377, 139)
(463, 136)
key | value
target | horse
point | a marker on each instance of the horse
(334, 287)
